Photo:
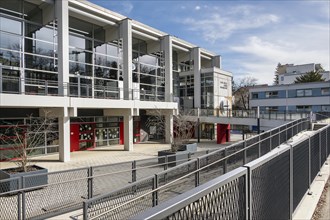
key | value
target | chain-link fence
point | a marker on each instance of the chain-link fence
(50, 194)
(188, 175)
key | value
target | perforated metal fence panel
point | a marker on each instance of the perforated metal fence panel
(275, 140)
(226, 202)
(283, 134)
(65, 196)
(300, 171)
(101, 208)
(315, 156)
(265, 143)
(236, 160)
(270, 190)
(9, 202)
(323, 146)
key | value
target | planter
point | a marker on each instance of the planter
(32, 179)
(191, 147)
(173, 158)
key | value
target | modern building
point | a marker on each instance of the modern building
(289, 72)
(313, 96)
(98, 72)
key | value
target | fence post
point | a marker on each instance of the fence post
(133, 171)
(320, 154)
(90, 182)
(189, 156)
(23, 198)
(155, 193)
(309, 166)
(85, 210)
(197, 173)
(291, 181)
(259, 146)
(244, 152)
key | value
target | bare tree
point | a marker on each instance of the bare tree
(241, 92)
(183, 127)
(24, 139)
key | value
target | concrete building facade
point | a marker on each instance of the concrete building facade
(98, 72)
(293, 97)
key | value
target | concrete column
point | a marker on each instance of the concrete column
(126, 35)
(128, 131)
(166, 45)
(62, 15)
(64, 137)
(197, 76)
(169, 127)
(216, 61)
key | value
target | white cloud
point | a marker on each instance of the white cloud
(299, 45)
(127, 7)
(220, 24)
(197, 7)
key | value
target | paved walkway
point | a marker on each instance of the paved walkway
(112, 154)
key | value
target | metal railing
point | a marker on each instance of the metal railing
(27, 86)
(270, 187)
(50, 194)
(144, 194)
(270, 115)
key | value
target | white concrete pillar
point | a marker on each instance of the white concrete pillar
(62, 15)
(126, 35)
(216, 61)
(128, 131)
(196, 52)
(166, 45)
(64, 138)
(169, 127)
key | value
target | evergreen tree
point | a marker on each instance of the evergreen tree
(276, 78)
(312, 76)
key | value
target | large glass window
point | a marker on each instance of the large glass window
(304, 92)
(148, 71)
(325, 91)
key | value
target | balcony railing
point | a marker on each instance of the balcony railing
(16, 85)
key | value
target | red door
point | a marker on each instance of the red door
(121, 132)
(74, 137)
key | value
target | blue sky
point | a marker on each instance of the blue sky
(252, 36)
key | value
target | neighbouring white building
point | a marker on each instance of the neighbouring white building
(289, 72)
(99, 72)
(314, 96)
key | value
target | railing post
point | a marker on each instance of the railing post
(23, 198)
(189, 156)
(197, 174)
(133, 171)
(85, 210)
(259, 146)
(244, 152)
(320, 154)
(155, 193)
(309, 166)
(291, 181)
(90, 182)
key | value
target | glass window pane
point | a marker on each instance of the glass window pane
(10, 25)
